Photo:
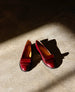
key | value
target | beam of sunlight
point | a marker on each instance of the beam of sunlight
(10, 54)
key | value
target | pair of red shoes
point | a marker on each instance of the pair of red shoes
(46, 56)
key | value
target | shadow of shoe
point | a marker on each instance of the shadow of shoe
(51, 45)
(35, 57)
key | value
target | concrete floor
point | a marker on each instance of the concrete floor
(40, 78)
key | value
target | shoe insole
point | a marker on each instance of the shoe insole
(27, 50)
(44, 51)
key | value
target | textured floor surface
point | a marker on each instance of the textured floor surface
(40, 78)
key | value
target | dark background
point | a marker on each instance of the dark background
(20, 16)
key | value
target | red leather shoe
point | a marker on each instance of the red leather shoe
(47, 57)
(26, 57)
